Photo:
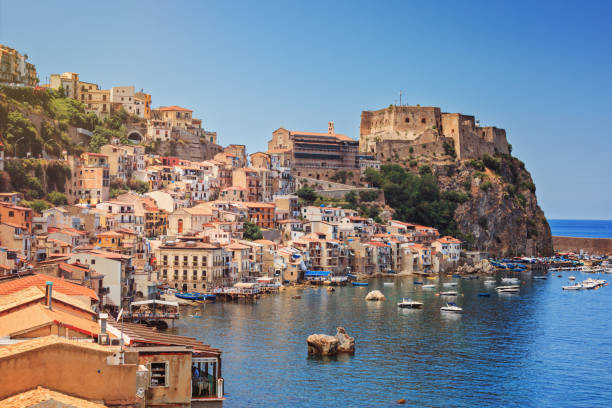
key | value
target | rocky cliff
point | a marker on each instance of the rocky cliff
(501, 214)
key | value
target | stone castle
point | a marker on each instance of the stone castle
(397, 127)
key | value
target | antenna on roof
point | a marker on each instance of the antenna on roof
(400, 98)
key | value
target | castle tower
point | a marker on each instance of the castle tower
(330, 128)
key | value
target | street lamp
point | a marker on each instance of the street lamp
(15, 147)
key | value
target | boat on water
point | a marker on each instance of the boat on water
(510, 280)
(451, 307)
(572, 278)
(429, 286)
(449, 284)
(508, 289)
(456, 276)
(540, 277)
(388, 284)
(432, 277)
(577, 286)
(417, 282)
(484, 294)
(359, 283)
(449, 293)
(409, 304)
(490, 282)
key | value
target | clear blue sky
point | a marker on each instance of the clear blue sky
(540, 70)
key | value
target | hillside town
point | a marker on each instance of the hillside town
(134, 227)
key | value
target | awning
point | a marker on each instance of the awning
(316, 274)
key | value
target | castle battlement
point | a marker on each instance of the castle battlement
(427, 124)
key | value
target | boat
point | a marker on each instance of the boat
(195, 316)
(577, 286)
(189, 296)
(539, 277)
(451, 307)
(417, 282)
(456, 276)
(484, 294)
(508, 289)
(490, 282)
(449, 284)
(409, 304)
(360, 283)
(388, 283)
(572, 278)
(449, 293)
(432, 277)
(510, 280)
(210, 296)
(429, 286)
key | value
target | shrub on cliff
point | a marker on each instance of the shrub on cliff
(307, 194)
(57, 198)
(486, 185)
(492, 163)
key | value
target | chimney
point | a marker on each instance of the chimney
(49, 293)
(103, 319)
(330, 128)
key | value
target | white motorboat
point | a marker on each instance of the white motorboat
(409, 304)
(451, 307)
(449, 284)
(429, 286)
(490, 282)
(510, 280)
(540, 277)
(449, 293)
(572, 278)
(577, 286)
(508, 289)
(388, 283)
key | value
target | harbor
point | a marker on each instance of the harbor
(424, 355)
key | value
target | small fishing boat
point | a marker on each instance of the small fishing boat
(451, 307)
(189, 296)
(572, 278)
(417, 282)
(360, 283)
(539, 277)
(429, 286)
(195, 316)
(409, 304)
(577, 286)
(388, 283)
(484, 294)
(456, 276)
(432, 277)
(508, 289)
(490, 282)
(449, 293)
(510, 280)
(449, 284)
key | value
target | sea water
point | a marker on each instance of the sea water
(542, 347)
(581, 228)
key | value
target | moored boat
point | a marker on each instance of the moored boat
(508, 289)
(451, 307)
(449, 293)
(429, 286)
(360, 283)
(484, 294)
(409, 304)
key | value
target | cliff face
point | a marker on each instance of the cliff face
(501, 214)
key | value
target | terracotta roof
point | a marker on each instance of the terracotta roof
(448, 240)
(265, 242)
(40, 280)
(317, 134)
(40, 342)
(43, 396)
(32, 294)
(38, 315)
(109, 234)
(173, 108)
(140, 334)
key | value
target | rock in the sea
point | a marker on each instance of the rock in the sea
(322, 344)
(401, 401)
(375, 295)
(346, 343)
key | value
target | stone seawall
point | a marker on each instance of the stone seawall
(595, 246)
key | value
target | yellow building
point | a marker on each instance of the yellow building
(14, 68)
(175, 116)
(109, 240)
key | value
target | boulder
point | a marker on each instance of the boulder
(375, 295)
(346, 343)
(322, 344)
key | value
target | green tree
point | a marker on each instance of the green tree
(307, 194)
(36, 205)
(139, 186)
(57, 198)
(251, 231)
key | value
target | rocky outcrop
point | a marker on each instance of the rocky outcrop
(375, 295)
(322, 344)
(481, 267)
(346, 343)
(500, 214)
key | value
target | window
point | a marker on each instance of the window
(93, 261)
(407, 120)
(11, 213)
(423, 120)
(159, 374)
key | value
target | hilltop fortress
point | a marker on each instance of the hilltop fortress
(397, 128)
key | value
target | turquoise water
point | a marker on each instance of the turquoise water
(581, 228)
(541, 348)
